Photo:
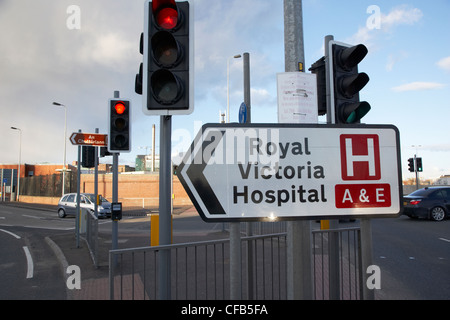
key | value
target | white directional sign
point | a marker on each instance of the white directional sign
(280, 172)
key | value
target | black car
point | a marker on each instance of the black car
(430, 203)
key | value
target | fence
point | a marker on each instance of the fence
(89, 228)
(201, 270)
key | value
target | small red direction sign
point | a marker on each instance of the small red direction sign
(89, 139)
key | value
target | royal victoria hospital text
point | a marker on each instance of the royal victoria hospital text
(297, 193)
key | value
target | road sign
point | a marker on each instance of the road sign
(293, 171)
(243, 113)
(89, 139)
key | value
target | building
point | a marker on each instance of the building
(145, 163)
(443, 181)
(35, 180)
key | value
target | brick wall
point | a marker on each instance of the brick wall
(134, 189)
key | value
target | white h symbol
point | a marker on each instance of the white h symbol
(370, 157)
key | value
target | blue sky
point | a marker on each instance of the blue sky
(42, 60)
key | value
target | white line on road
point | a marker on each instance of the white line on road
(29, 263)
(443, 239)
(27, 216)
(10, 233)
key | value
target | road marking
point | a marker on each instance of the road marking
(34, 217)
(30, 265)
(10, 233)
(443, 239)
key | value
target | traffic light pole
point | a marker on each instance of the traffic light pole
(115, 192)
(165, 207)
(416, 169)
(299, 266)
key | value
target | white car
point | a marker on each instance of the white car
(68, 203)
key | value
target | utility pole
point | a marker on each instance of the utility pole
(299, 266)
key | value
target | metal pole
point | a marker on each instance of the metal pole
(247, 102)
(65, 148)
(333, 241)
(235, 261)
(96, 178)
(299, 266)
(115, 193)
(416, 171)
(153, 147)
(247, 91)
(330, 113)
(165, 207)
(77, 222)
(366, 257)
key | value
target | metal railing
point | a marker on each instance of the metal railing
(337, 264)
(91, 234)
(201, 270)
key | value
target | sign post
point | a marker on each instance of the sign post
(259, 172)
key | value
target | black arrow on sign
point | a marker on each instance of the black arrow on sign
(196, 176)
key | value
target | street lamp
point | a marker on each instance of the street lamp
(20, 160)
(228, 84)
(65, 141)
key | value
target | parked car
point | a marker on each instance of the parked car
(430, 203)
(68, 203)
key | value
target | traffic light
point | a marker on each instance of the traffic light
(165, 78)
(347, 82)
(318, 68)
(419, 165)
(119, 138)
(411, 165)
(88, 156)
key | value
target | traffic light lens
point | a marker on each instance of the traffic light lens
(120, 108)
(351, 57)
(120, 124)
(165, 86)
(352, 113)
(167, 18)
(120, 141)
(166, 51)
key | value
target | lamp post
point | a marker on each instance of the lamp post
(228, 84)
(65, 141)
(20, 160)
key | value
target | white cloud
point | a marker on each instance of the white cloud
(444, 64)
(418, 86)
(401, 15)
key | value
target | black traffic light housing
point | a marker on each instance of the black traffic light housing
(419, 165)
(319, 68)
(347, 82)
(165, 78)
(411, 165)
(119, 137)
(88, 157)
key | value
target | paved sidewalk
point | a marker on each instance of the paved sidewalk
(95, 281)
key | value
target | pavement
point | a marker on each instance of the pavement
(94, 284)
(95, 279)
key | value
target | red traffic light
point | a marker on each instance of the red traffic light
(165, 13)
(120, 107)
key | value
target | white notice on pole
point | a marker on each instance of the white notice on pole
(297, 97)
